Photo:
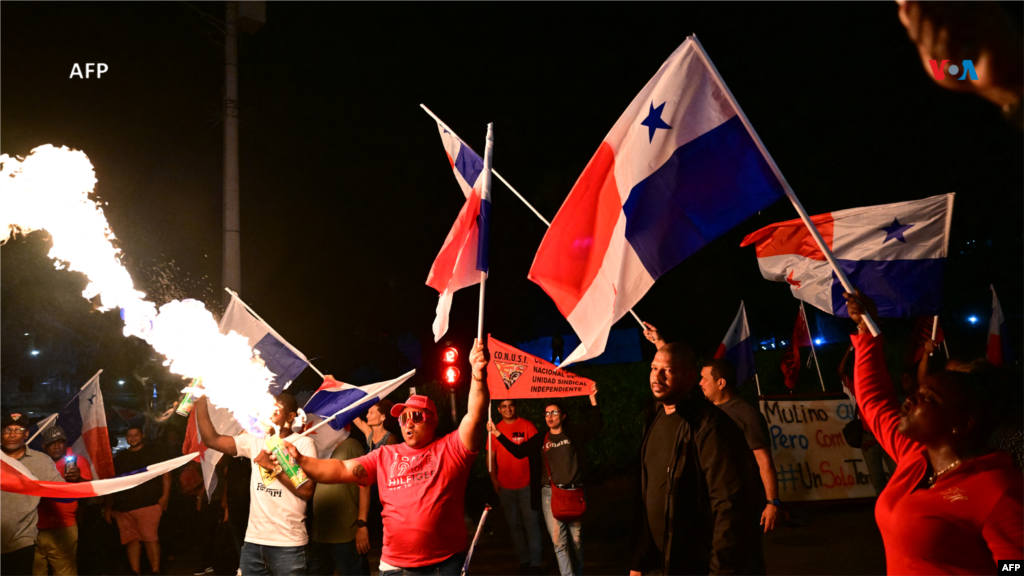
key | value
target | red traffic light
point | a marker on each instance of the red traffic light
(450, 355)
(451, 375)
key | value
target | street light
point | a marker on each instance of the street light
(120, 382)
(972, 319)
(819, 341)
(35, 352)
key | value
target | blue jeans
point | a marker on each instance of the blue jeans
(259, 560)
(451, 566)
(516, 504)
(569, 564)
(344, 557)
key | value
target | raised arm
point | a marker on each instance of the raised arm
(876, 397)
(211, 439)
(471, 431)
(652, 334)
(363, 427)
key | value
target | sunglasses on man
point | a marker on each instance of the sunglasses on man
(406, 418)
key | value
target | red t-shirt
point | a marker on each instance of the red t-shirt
(54, 514)
(973, 516)
(513, 473)
(422, 492)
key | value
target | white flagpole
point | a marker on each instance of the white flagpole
(785, 186)
(935, 329)
(486, 193)
(757, 381)
(253, 312)
(814, 354)
(49, 420)
(514, 191)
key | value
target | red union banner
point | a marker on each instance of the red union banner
(512, 373)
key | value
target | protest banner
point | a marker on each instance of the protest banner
(812, 459)
(512, 373)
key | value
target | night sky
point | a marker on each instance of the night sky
(347, 195)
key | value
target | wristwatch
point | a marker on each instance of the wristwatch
(775, 502)
(360, 523)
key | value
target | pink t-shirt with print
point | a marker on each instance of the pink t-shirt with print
(422, 492)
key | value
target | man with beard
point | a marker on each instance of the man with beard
(422, 482)
(698, 515)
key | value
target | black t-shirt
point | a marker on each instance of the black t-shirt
(750, 421)
(755, 431)
(658, 459)
(560, 455)
(146, 494)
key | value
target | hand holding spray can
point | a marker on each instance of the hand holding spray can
(291, 469)
(185, 406)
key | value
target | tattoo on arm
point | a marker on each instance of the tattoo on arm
(359, 472)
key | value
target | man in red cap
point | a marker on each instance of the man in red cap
(422, 483)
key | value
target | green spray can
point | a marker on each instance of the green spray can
(284, 459)
(185, 406)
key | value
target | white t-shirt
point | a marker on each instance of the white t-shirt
(276, 516)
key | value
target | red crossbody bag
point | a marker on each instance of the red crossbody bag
(566, 505)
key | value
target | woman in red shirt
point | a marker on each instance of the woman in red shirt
(951, 507)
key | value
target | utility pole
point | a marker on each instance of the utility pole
(231, 271)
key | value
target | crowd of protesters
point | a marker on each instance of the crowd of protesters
(707, 490)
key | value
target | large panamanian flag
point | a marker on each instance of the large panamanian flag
(894, 253)
(347, 401)
(677, 170)
(14, 477)
(84, 421)
(281, 358)
(737, 347)
(464, 254)
(999, 351)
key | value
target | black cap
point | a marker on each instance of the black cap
(15, 419)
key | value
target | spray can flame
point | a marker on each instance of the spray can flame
(290, 467)
(185, 406)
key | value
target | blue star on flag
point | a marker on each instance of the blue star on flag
(654, 121)
(90, 398)
(895, 231)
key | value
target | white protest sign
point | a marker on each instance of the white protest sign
(812, 459)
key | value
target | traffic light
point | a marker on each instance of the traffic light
(449, 373)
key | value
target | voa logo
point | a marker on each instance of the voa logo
(940, 69)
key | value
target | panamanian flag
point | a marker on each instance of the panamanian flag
(281, 358)
(84, 421)
(464, 254)
(737, 347)
(14, 477)
(999, 351)
(347, 401)
(679, 169)
(894, 253)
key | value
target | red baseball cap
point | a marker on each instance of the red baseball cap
(415, 401)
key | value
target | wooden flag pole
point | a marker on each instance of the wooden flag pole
(785, 186)
(514, 191)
